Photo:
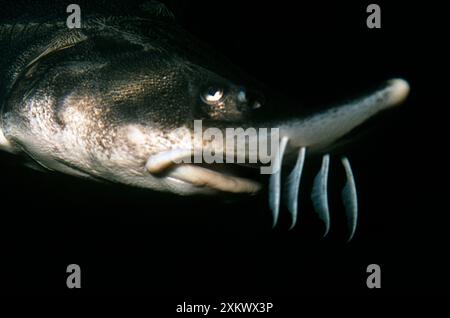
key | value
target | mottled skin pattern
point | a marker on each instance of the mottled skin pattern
(98, 101)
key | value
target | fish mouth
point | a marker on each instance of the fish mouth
(216, 177)
(178, 167)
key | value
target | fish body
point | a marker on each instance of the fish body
(118, 99)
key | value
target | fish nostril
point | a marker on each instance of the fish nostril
(256, 104)
(242, 96)
(255, 100)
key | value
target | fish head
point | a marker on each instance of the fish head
(119, 100)
(100, 101)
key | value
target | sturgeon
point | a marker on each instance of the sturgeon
(116, 100)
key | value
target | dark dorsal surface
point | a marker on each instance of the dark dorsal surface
(31, 29)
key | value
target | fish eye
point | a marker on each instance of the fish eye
(212, 95)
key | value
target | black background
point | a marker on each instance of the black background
(202, 247)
